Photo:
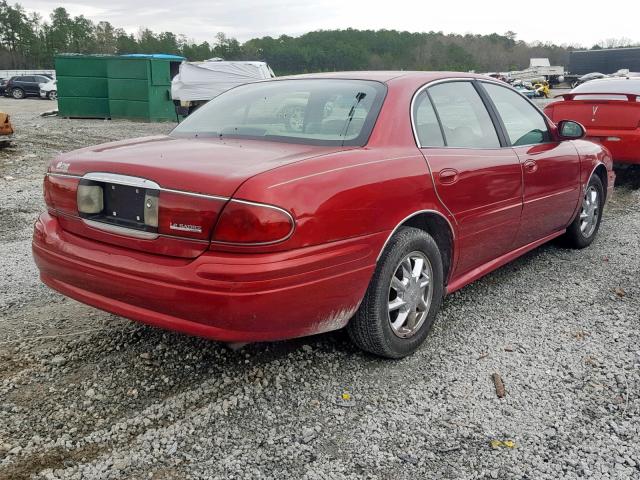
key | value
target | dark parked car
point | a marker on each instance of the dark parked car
(25, 86)
(587, 78)
(3, 85)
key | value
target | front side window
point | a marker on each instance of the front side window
(309, 111)
(523, 123)
(465, 120)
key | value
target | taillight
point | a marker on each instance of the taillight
(249, 223)
(60, 194)
(188, 215)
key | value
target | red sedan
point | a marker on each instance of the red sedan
(610, 110)
(306, 204)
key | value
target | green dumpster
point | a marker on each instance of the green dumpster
(83, 91)
(136, 87)
(140, 87)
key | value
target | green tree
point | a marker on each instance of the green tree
(105, 38)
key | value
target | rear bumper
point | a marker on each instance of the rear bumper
(222, 296)
(624, 145)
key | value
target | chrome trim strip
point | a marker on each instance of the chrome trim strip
(453, 232)
(193, 194)
(247, 202)
(135, 182)
(160, 235)
(419, 91)
(144, 183)
(127, 232)
(446, 80)
(63, 175)
(121, 180)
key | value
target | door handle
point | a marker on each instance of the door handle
(530, 166)
(448, 176)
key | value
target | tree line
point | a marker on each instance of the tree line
(29, 41)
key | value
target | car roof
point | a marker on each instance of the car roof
(387, 76)
(622, 85)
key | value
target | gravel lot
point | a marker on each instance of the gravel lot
(84, 394)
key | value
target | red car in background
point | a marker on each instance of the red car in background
(389, 190)
(610, 110)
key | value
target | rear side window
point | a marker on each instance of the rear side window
(465, 120)
(426, 122)
(524, 124)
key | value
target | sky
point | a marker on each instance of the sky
(582, 23)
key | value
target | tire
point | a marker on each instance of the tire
(17, 93)
(585, 226)
(377, 326)
(52, 95)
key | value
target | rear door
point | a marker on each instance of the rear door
(476, 178)
(550, 168)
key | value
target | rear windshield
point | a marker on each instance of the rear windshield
(307, 111)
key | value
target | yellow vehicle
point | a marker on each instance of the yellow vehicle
(542, 89)
(6, 129)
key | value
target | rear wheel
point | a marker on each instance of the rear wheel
(17, 93)
(403, 297)
(585, 226)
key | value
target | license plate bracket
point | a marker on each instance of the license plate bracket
(124, 205)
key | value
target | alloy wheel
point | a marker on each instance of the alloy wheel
(410, 294)
(590, 211)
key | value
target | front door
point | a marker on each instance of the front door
(476, 178)
(550, 168)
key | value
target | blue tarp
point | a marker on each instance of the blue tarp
(161, 56)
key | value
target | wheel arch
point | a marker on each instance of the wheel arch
(601, 171)
(439, 227)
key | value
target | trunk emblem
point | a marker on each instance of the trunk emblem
(62, 166)
(183, 227)
(593, 115)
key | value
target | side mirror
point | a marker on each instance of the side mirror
(570, 130)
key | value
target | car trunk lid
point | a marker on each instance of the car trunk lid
(598, 111)
(159, 194)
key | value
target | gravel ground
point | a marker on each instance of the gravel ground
(84, 394)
